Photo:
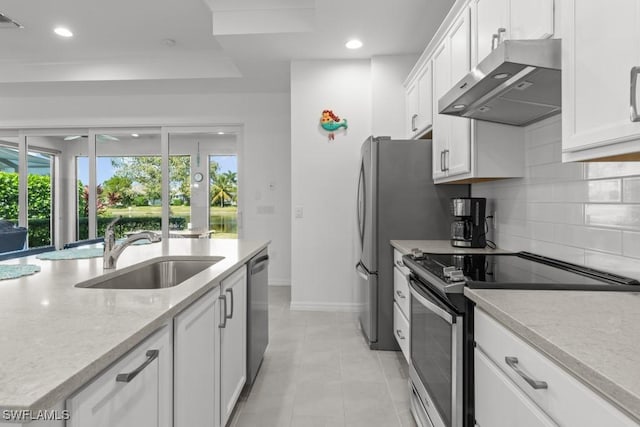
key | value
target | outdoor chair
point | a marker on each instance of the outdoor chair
(12, 238)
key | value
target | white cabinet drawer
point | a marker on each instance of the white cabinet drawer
(499, 402)
(401, 330)
(142, 399)
(401, 291)
(397, 262)
(566, 400)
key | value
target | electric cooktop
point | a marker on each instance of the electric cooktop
(521, 270)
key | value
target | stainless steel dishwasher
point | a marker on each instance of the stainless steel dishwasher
(257, 313)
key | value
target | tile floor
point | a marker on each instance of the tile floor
(318, 372)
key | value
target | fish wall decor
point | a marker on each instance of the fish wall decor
(331, 123)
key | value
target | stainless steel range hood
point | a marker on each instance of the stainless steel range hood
(517, 84)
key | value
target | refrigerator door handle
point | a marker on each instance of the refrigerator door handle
(360, 208)
(361, 271)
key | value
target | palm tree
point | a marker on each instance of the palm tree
(223, 189)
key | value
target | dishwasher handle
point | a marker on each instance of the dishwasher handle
(259, 264)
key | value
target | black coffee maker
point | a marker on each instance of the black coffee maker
(468, 230)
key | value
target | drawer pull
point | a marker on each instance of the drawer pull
(513, 364)
(125, 378)
(401, 295)
(399, 334)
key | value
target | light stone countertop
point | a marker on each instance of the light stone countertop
(593, 335)
(55, 337)
(440, 247)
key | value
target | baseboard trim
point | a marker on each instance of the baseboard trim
(324, 306)
(279, 282)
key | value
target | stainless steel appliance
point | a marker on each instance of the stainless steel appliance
(257, 313)
(441, 345)
(469, 229)
(518, 83)
(396, 199)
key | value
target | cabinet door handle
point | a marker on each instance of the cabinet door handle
(502, 32)
(446, 160)
(513, 364)
(495, 39)
(399, 334)
(413, 123)
(223, 324)
(400, 294)
(230, 291)
(151, 356)
(634, 101)
(442, 161)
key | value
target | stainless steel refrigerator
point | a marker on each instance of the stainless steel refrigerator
(396, 200)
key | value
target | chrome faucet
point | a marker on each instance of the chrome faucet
(112, 251)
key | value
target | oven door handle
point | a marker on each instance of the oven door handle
(443, 314)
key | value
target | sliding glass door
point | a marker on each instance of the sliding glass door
(65, 185)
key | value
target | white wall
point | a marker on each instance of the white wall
(388, 74)
(324, 177)
(265, 148)
(586, 213)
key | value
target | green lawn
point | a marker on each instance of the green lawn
(223, 220)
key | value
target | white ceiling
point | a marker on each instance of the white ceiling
(220, 45)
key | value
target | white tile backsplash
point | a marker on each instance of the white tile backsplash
(586, 213)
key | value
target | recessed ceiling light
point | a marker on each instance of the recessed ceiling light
(353, 44)
(220, 133)
(458, 106)
(135, 135)
(63, 32)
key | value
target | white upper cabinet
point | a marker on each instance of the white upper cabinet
(499, 20)
(419, 98)
(425, 98)
(490, 15)
(464, 150)
(600, 50)
(441, 123)
(412, 95)
(530, 19)
(458, 159)
(451, 135)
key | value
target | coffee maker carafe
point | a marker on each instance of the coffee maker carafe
(468, 230)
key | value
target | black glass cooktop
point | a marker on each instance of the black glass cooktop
(517, 271)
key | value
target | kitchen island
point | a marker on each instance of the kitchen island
(594, 336)
(56, 337)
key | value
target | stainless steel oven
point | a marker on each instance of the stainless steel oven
(436, 370)
(441, 346)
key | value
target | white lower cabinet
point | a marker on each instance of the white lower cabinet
(401, 304)
(401, 331)
(134, 392)
(210, 354)
(514, 379)
(233, 341)
(197, 363)
(499, 402)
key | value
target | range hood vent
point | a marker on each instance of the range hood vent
(517, 84)
(6, 22)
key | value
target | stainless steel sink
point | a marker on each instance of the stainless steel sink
(153, 274)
